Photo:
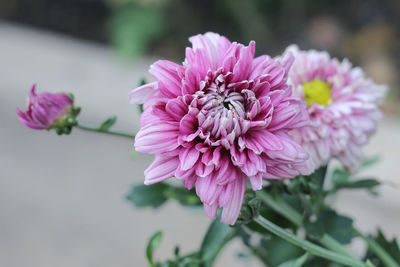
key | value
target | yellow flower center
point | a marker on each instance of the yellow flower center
(318, 92)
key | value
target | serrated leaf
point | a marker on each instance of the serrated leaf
(391, 247)
(315, 230)
(369, 184)
(184, 196)
(337, 226)
(154, 242)
(342, 180)
(273, 250)
(362, 183)
(157, 194)
(108, 123)
(148, 195)
(298, 262)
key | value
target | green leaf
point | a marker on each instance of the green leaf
(337, 226)
(187, 198)
(342, 180)
(370, 161)
(363, 183)
(157, 194)
(184, 196)
(340, 176)
(154, 242)
(108, 123)
(316, 184)
(298, 262)
(218, 234)
(148, 195)
(315, 230)
(391, 247)
(369, 184)
(273, 250)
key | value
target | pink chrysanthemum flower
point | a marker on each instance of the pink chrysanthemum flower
(342, 104)
(219, 118)
(44, 109)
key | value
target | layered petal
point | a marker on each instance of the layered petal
(342, 105)
(219, 118)
(163, 167)
(231, 211)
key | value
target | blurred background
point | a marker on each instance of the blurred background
(62, 198)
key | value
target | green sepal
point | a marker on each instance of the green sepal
(250, 208)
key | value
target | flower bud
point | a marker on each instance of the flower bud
(250, 208)
(49, 111)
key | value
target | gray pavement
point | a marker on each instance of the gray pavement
(62, 198)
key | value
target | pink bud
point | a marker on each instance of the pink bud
(44, 109)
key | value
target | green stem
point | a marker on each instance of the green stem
(281, 207)
(217, 236)
(334, 245)
(97, 130)
(308, 246)
(377, 249)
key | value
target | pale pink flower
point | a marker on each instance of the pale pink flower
(219, 118)
(342, 104)
(44, 109)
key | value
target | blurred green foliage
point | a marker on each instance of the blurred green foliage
(309, 196)
(134, 26)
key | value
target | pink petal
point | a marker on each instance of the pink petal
(189, 181)
(291, 151)
(188, 158)
(256, 181)
(241, 70)
(207, 189)
(231, 211)
(287, 61)
(162, 168)
(176, 108)
(213, 45)
(260, 141)
(157, 138)
(288, 115)
(166, 73)
(211, 210)
(142, 93)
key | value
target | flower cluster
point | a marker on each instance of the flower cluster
(224, 117)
